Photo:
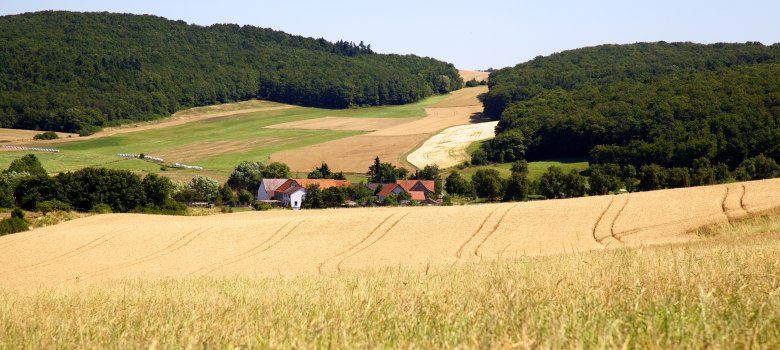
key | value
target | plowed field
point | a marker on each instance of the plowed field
(328, 242)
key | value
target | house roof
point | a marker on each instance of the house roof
(387, 189)
(271, 185)
(294, 189)
(285, 186)
(417, 195)
(324, 183)
(408, 185)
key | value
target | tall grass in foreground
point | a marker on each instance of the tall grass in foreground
(723, 292)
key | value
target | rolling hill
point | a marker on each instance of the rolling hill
(673, 104)
(78, 72)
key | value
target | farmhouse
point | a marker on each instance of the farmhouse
(418, 190)
(268, 189)
(292, 192)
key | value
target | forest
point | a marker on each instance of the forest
(673, 105)
(79, 72)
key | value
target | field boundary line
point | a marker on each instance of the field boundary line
(356, 252)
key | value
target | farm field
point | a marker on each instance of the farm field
(215, 137)
(719, 291)
(448, 148)
(331, 242)
(391, 144)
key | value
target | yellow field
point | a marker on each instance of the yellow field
(329, 242)
(718, 291)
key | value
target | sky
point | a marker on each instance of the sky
(470, 34)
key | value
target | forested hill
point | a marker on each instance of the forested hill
(69, 71)
(672, 104)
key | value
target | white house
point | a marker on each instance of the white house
(268, 187)
(294, 197)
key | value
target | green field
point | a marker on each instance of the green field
(721, 292)
(217, 144)
(535, 169)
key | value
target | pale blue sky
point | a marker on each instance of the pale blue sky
(470, 34)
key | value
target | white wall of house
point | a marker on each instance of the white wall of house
(296, 198)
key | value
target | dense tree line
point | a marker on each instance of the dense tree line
(77, 72)
(26, 185)
(672, 105)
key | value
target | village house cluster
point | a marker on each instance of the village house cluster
(292, 192)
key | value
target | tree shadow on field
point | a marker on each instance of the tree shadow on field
(478, 117)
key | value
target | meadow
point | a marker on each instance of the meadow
(237, 132)
(721, 291)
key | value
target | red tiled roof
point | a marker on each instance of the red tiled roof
(387, 189)
(417, 195)
(430, 185)
(408, 185)
(283, 187)
(324, 183)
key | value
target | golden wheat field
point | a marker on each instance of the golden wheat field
(330, 242)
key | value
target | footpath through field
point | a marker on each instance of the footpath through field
(327, 242)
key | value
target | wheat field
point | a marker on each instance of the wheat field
(721, 291)
(284, 243)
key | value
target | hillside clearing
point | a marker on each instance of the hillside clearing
(330, 242)
(473, 74)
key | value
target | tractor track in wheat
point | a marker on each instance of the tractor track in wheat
(86, 247)
(599, 219)
(459, 252)
(493, 230)
(180, 243)
(254, 251)
(358, 251)
(365, 238)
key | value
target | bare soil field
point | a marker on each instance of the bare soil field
(327, 242)
(342, 123)
(391, 143)
(448, 148)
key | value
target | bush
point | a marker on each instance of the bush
(52, 205)
(49, 135)
(101, 208)
(13, 225)
(260, 206)
(17, 213)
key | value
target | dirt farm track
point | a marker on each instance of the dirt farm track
(327, 242)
